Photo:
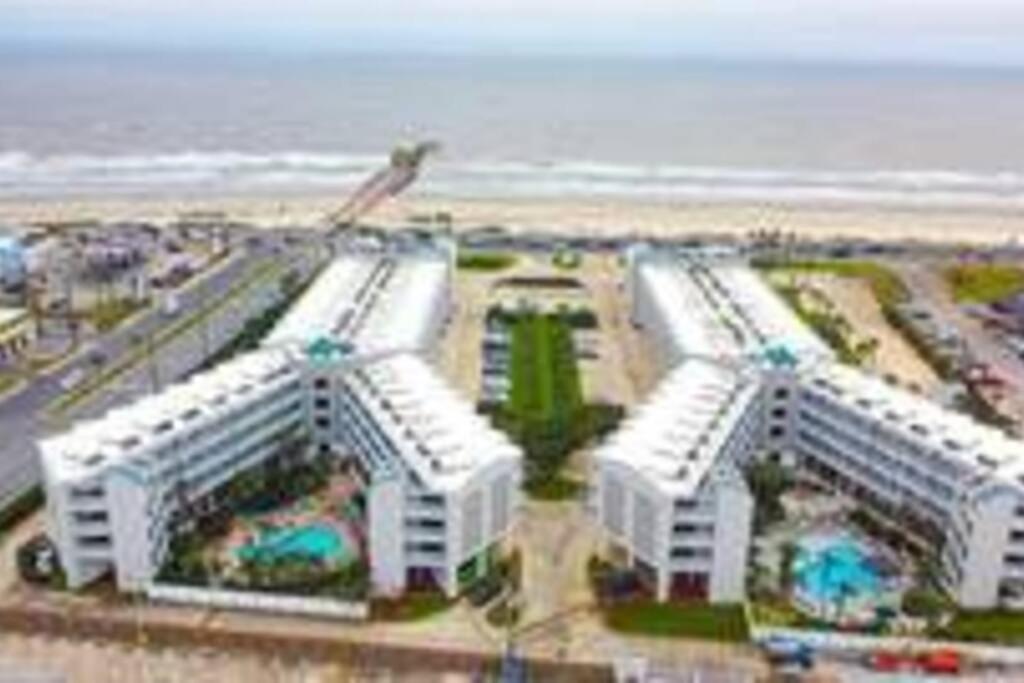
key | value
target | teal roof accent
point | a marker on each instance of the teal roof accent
(780, 356)
(327, 350)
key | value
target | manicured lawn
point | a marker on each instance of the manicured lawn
(679, 620)
(987, 626)
(410, 607)
(983, 283)
(488, 261)
(545, 412)
(545, 378)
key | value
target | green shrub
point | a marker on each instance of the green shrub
(486, 261)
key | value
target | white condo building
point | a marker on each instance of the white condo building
(747, 379)
(343, 368)
(118, 487)
(668, 488)
(442, 484)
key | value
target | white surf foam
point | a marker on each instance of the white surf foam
(28, 175)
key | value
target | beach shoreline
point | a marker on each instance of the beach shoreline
(591, 217)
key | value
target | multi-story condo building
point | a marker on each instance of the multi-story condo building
(937, 473)
(708, 303)
(930, 469)
(443, 486)
(344, 369)
(119, 487)
(374, 302)
(667, 486)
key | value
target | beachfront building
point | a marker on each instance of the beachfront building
(118, 488)
(668, 489)
(954, 483)
(344, 372)
(933, 472)
(374, 301)
(442, 485)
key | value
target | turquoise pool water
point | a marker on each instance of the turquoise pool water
(314, 542)
(834, 570)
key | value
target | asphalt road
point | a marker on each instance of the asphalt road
(23, 414)
(926, 284)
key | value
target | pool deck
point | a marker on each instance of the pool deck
(325, 508)
(856, 571)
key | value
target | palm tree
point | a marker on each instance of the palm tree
(787, 558)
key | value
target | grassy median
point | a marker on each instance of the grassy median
(545, 412)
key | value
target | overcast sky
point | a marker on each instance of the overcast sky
(954, 31)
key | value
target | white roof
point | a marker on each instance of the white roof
(325, 308)
(438, 434)
(373, 301)
(133, 433)
(969, 449)
(404, 309)
(675, 437)
(723, 308)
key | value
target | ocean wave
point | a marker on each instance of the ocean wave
(27, 175)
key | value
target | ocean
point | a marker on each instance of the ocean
(92, 124)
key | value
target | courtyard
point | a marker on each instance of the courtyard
(298, 530)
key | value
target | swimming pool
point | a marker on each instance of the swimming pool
(831, 571)
(313, 542)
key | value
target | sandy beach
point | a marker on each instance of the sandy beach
(592, 217)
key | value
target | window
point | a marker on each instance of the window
(1014, 560)
(777, 432)
(782, 393)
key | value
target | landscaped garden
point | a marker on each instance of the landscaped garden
(814, 565)
(286, 527)
(818, 312)
(545, 411)
(887, 287)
